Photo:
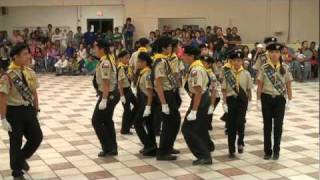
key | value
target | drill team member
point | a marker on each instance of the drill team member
(165, 86)
(106, 82)
(19, 108)
(207, 62)
(274, 85)
(143, 121)
(195, 127)
(236, 89)
(127, 98)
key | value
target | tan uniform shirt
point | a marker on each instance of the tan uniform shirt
(161, 71)
(123, 76)
(106, 70)
(198, 77)
(144, 82)
(245, 82)
(7, 87)
(268, 87)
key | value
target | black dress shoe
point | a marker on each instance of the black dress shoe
(240, 149)
(202, 162)
(167, 157)
(141, 151)
(25, 166)
(276, 156)
(126, 133)
(212, 147)
(174, 151)
(232, 156)
(267, 157)
(19, 178)
(150, 153)
(110, 153)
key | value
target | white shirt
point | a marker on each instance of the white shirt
(61, 64)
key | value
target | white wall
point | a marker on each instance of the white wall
(179, 22)
(68, 16)
(254, 18)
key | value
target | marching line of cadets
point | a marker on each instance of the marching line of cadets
(149, 85)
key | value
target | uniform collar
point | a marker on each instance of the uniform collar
(275, 66)
(239, 70)
(228, 65)
(196, 63)
(142, 49)
(159, 56)
(144, 70)
(14, 66)
(122, 64)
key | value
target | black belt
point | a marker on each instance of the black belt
(272, 96)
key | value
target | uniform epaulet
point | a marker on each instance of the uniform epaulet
(265, 65)
(285, 65)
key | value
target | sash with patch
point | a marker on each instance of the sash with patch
(231, 80)
(274, 79)
(171, 77)
(22, 87)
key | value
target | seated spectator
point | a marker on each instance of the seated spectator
(70, 50)
(39, 60)
(198, 40)
(89, 67)
(61, 66)
(81, 56)
(233, 39)
(314, 60)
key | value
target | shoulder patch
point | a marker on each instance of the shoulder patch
(105, 65)
(194, 73)
(148, 77)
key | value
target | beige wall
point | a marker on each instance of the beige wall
(254, 18)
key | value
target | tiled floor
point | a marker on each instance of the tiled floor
(70, 147)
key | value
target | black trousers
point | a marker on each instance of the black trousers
(237, 110)
(103, 123)
(144, 125)
(273, 108)
(196, 132)
(157, 115)
(24, 122)
(128, 114)
(170, 125)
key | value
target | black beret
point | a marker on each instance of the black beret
(16, 49)
(164, 41)
(272, 44)
(192, 50)
(268, 40)
(236, 53)
(144, 41)
(123, 53)
(208, 59)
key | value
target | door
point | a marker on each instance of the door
(100, 25)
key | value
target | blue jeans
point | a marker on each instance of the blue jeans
(307, 70)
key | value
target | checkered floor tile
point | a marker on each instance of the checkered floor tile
(70, 146)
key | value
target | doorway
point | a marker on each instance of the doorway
(100, 25)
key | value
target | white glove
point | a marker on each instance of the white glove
(192, 116)
(288, 104)
(131, 106)
(225, 107)
(210, 111)
(249, 106)
(134, 91)
(181, 91)
(165, 109)
(123, 99)
(103, 104)
(147, 111)
(258, 105)
(6, 125)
